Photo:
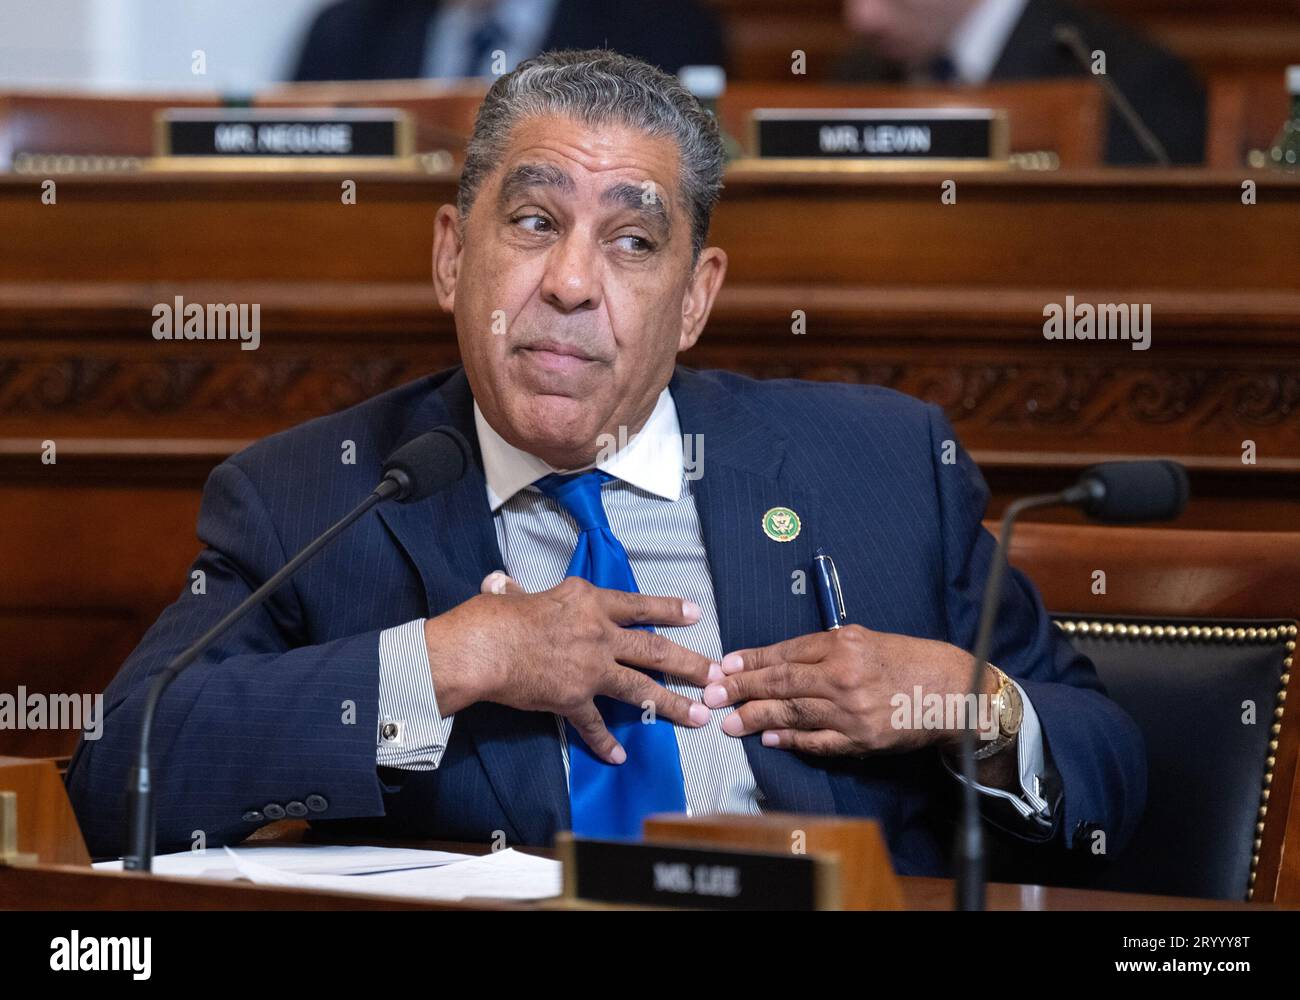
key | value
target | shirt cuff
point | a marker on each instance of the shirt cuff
(412, 734)
(1032, 763)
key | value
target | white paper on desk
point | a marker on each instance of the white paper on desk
(506, 874)
(303, 859)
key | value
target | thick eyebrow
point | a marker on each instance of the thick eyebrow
(626, 195)
(530, 175)
(632, 197)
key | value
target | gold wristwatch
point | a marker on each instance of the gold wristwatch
(1010, 711)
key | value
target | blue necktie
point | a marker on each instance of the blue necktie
(611, 800)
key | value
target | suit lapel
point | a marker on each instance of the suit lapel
(753, 575)
(451, 541)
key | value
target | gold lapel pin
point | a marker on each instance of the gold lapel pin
(781, 524)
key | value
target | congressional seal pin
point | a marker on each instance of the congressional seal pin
(781, 524)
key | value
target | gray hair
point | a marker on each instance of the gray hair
(599, 87)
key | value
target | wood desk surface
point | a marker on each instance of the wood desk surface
(63, 887)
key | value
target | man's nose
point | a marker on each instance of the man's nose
(572, 278)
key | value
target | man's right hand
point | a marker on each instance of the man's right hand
(555, 651)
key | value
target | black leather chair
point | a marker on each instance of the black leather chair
(1209, 697)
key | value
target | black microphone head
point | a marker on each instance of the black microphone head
(427, 464)
(1135, 491)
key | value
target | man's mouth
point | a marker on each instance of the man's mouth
(558, 357)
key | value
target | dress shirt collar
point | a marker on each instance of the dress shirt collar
(652, 460)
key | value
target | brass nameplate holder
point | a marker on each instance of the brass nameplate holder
(865, 874)
(259, 139)
(610, 873)
(775, 861)
(872, 139)
(36, 818)
(9, 853)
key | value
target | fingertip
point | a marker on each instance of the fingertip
(691, 611)
(618, 755)
(733, 663)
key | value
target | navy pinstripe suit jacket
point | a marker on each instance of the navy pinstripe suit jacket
(285, 705)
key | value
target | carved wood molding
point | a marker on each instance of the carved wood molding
(989, 401)
(77, 360)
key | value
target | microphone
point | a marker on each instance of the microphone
(1113, 492)
(1069, 38)
(1125, 492)
(418, 469)
(425, 465)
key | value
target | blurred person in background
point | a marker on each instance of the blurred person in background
(408, 39)
(970, 42)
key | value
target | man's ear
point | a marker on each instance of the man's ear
(710, 270)
(446, 256)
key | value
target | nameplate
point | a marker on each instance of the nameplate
(890, 134)
(639, 874)
(299, 136)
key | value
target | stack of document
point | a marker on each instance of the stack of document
(386, 871)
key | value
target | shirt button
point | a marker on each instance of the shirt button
(295, 808)
(273, 810)
(317, 803)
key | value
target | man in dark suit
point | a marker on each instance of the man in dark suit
(459, 667)
(407, 39)
(978, 41)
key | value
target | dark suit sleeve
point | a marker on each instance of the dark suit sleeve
(691, 35)
(669, 34)
(366, 40)
(319, 57)
(1094, 746)
(260, 718)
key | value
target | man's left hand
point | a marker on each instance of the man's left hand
(837, 692)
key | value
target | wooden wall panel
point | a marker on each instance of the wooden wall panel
(86, 571)
(943, 302)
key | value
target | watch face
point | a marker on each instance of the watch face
(1010, 709)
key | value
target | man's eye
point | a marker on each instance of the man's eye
(526, 221)
(634, 244)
